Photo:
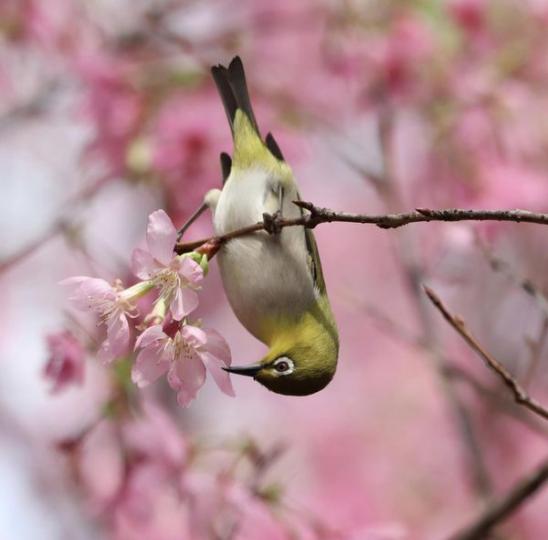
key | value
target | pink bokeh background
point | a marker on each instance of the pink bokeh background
(108, 112)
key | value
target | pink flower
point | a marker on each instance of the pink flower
(65, 365)
(112, 104)
(184, 134)
(155, 436)
(398, 57)
(113, 305)
(184, 357)
(471, 15)
(101, 465)
(177, 277)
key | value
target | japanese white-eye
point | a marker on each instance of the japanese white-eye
(273, 280)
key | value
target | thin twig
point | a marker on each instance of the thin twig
(500, 265)
(503, 403)
(318, 215)
(412, 267)
(535, 349)
(520, 395)
(476, 467)
(504, 507)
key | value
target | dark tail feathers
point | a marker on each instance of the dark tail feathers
(232, 87)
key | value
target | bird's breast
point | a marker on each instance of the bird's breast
(266, 277)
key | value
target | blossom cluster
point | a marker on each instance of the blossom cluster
(167, 343)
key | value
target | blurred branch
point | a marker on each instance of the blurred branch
(413, 272)
(504, 507)
(60, 225)
(32, 107)
(503, 403)
(535, 347)
(500, 265)
(519, 393)
(475, 461)
(318, 215)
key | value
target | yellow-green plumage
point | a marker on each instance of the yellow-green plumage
(274, 283)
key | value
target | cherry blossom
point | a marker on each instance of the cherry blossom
(113, 305)
(177, 277)
(65, 365)
(185, 358)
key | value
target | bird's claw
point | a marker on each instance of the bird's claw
(272, 222)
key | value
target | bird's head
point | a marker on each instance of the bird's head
(302, 358)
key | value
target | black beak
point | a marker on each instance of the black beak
(249, 371)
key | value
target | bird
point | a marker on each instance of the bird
(273, 279)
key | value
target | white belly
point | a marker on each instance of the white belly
(264, 276)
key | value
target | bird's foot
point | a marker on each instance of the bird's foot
(272, 222)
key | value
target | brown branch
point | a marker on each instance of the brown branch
(506, 377)
(317, 215)
(475, 462)
(504, 507)
(503, 403)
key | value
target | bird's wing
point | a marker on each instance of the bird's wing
(314, 262)
(272, 145)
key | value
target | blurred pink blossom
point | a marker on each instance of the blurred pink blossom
(398, 57)
(100, 465)
(113, 104)
(32, 21)
(151, 506)
(184, 357)
(187, 133)
(154, 436)
(65, 365)
(177, 277)
(469, 14)
(130, 469)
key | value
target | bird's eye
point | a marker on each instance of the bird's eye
(284, 365)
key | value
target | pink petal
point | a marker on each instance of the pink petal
(173, 379)
(88, 291)
(97, 288)
(194, 336)
(184, 302)
(117, 341)
(148, 367)
(105, 355)
(161, 236)
(74, 281)
(143, 264)
(187, 376)
(220, 376)
(156, 435)
(118, 332)
(65, 364)
(190, 270)
(150, 335)
(217, 346)
(101, 465)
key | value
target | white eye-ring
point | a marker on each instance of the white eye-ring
(284, 365)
